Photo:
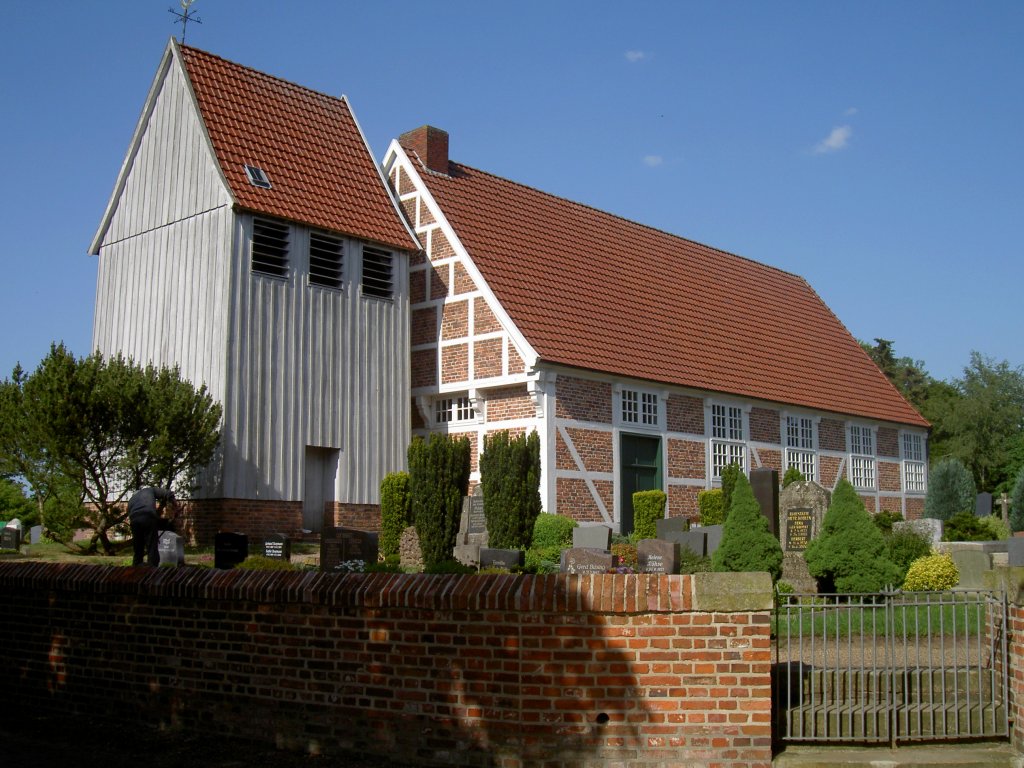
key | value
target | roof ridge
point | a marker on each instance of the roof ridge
(263, 75)
(649, 227)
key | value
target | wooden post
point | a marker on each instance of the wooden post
(1004, 502)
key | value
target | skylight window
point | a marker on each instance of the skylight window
(257, 176)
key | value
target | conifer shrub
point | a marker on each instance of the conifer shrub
(648, 508)
(997, 529)
(730, 475)
(747, 543)
(966, 526)
(510, 479)
(951, 490)
(1017, 503)
(793, 475)
(438, 480)
(936, 571)
(850, 553)
(711, 507)
(395, 511)
(885, 519)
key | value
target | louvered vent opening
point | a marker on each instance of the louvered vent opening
(378, 277)
(270, 247)
(325, 260)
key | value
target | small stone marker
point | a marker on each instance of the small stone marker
(657, 556)
(592, 537)
(171, 548)
(342, 545)
(277, 546)
(583, 560)
(229, 549)
(983, 505)
(35, 534)
(695, 540)
(501, 558)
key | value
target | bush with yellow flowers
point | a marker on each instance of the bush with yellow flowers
(935, 571)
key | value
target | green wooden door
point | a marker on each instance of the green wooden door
(639, 470)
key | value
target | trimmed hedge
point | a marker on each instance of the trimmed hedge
(395, 511)
(648, 508)
(711, 506)
(438, 480)
(510, 479)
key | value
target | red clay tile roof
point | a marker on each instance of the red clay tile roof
(591, 290)
(308, 143)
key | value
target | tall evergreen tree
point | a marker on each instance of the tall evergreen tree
(747, 543)
(438, 481)
(849, 555)
(950, 490)
(510, 480)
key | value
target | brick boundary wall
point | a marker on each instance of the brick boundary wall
(486, 670)
(1011, 579)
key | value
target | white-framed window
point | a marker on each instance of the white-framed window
(915, 474)
(728, 444)
(448, 410)
(800, 451)
(862, 457)
(270, 247)
(639, 407)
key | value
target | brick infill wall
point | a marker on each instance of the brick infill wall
(637, 670)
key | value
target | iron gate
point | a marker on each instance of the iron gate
(891, 666)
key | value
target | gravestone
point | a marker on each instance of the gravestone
(35, 534)
(657, 556)
(695, 540)
(802, 507)
(10, 538)
(229, 549)
(765, 484)
(669, 526)
(584, 560)
(592, 537)
(1015, 552)
(171, 548)
(342, 545)
(277, 546)
(501, 558)
(972, 564)
(472, 536)
(983, 505)
(928, 527)
(712, 537)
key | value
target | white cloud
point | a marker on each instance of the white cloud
(634, 56)
(835, 141)
(653, 161)
(851, 112)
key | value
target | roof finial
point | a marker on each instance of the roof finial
(185, 17)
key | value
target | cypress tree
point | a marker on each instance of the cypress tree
(951, 490)
(438, 480)
(510, 480)
(395, 511)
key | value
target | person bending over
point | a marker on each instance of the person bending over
(144, 508)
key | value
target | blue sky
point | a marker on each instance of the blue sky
(874, 148)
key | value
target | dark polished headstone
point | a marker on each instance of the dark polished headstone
(671, 525)
(712, 537)
(501, 558)
(765, 484)
(657, 556)
(983, 505)
(277, 546)
(592, 537)
(229, 549)
(10, 538)
(695, 540)
(342, 545)
(582, 560)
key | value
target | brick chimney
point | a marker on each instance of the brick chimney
(431, 144)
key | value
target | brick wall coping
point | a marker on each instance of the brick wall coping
(598, 593)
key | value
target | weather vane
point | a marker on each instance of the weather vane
(185, 17)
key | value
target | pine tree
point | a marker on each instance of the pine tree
(747, 543)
